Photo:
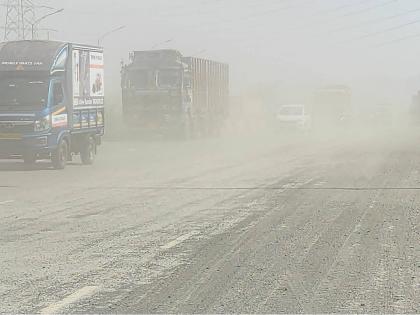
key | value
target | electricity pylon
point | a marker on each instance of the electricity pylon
(20, 16)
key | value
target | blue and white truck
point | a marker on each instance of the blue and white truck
(51, 101)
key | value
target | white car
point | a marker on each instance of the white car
(293, 116)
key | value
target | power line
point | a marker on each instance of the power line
(384, 31)
(321, 14)
(369, 8)
(4, 4)
(374, 21)
(398, 40)
(389, 29)
(349, 5)
(229, 24)
(274, 11)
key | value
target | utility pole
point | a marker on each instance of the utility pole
(20, 16)
(102, 37)
(36, 22)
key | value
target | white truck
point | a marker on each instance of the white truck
(293, 116)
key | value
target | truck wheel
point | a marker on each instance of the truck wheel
(88, 151)
(60, 156)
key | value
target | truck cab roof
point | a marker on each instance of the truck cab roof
(153, 58)
(29, 55)
(33, 55)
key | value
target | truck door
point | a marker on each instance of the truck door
(58, 94)
(58, 106)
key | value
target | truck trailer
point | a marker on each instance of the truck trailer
(166, 93)
(51, 101)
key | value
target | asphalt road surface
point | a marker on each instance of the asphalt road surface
(257, 225)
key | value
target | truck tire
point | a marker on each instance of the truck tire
(88, 151)
(60, 156)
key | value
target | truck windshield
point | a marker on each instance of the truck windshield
(169, 78)
(139, 79)
(31, 91)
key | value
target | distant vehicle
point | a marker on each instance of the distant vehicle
(52, 101)
(166, 93)
(293, 116)
(331, 106)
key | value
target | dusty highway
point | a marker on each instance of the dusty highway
(249, 226)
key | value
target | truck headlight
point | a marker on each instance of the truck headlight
(43, 124)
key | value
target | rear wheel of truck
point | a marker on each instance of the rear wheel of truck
(88, 151)
(60, 156)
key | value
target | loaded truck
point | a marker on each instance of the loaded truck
(166, 93)
(51, 101)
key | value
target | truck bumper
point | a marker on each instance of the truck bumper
(41, 145)
(156, 122)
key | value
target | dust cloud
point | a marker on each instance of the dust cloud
(278, 53)
(208, 156)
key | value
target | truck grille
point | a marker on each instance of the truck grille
(16, 127)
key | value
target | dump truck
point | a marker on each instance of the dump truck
(52, 101)
(164, 92)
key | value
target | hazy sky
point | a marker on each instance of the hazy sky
(371, 45)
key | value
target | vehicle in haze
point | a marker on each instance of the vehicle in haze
(52, 101)
(331, 106)
(292, 116)
(166, 93)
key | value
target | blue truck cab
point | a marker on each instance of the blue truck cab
(51, 101)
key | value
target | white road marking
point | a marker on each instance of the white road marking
(6, 202)
(179, 240)
(81, 294)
